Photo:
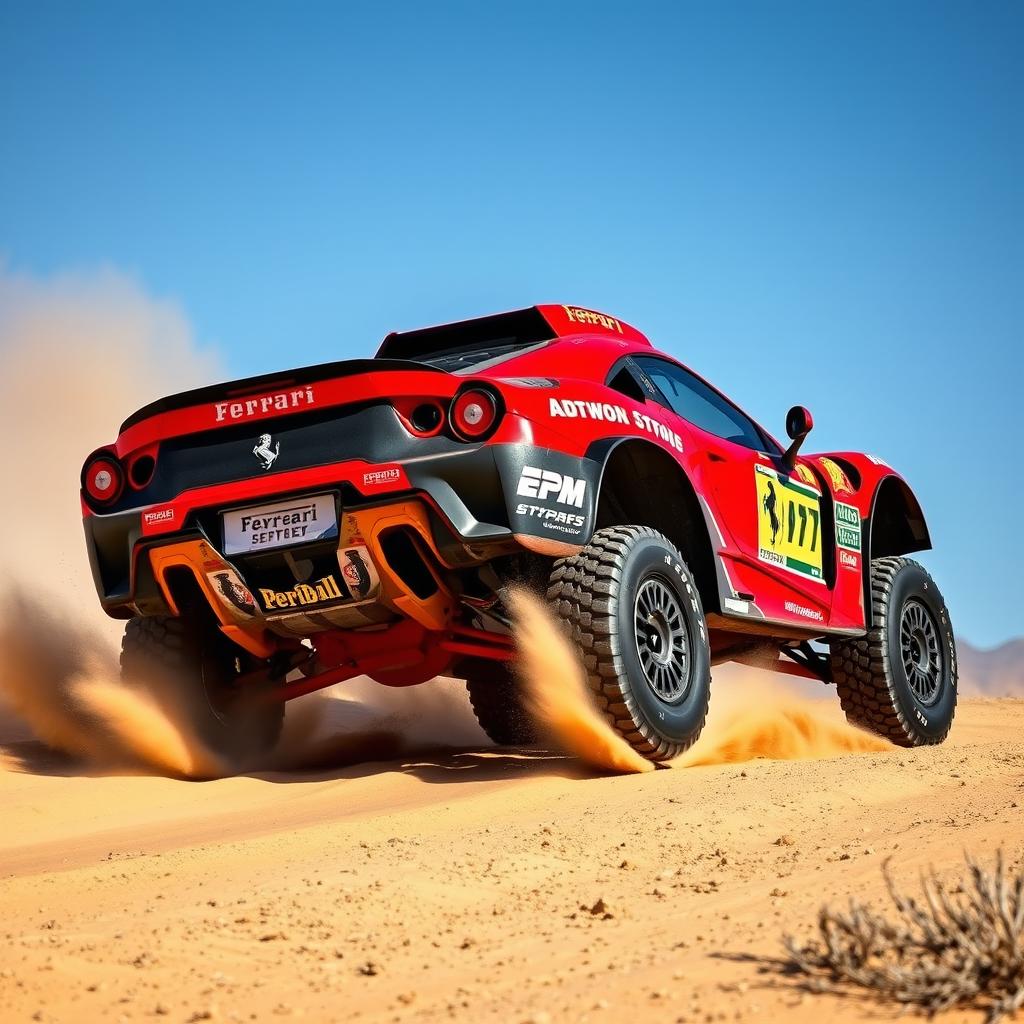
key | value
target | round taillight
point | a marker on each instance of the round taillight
(103, 480)
(473, 414)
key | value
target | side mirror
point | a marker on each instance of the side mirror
(799, 423)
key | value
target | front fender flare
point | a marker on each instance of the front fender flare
(895, 526)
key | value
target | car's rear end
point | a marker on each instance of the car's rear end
(331, 498)
(321, 498)
(348, 518)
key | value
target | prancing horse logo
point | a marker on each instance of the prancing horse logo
(265, 453)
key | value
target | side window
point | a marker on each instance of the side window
(624, 381)
(692, 399)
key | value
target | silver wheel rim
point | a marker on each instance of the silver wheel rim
(922, 655)
(662, 642)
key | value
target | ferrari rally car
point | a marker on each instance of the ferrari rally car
(268, 537)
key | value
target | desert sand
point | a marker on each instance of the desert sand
(475, 884)
(387, 864)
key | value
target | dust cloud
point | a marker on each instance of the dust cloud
(62, 680)
(756, 714)
(361, 721)
(781, 730)
(557, 693)
(78, 352)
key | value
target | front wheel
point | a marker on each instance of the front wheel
(632, 608)
(899, 680)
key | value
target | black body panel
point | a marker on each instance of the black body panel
(372, 432)
(477, 490)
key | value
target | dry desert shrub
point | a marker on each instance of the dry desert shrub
(951, 947)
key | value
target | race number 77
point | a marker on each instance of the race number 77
(805, 513)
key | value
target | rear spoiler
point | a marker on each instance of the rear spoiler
(402, 351)
(521, 327)
(281, 380)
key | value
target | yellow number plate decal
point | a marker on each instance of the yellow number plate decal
(788, 523)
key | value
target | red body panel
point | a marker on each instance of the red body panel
(556, 398)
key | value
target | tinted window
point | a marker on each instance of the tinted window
(704, 407)
(624, 381)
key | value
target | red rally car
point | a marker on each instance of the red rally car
(271, 536)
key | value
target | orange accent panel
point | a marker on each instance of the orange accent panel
(434, 612)
(199, 558)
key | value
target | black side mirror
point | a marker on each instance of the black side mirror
(799, 423)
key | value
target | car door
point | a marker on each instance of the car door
(770, 520)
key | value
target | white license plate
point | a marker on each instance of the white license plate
(280, 525)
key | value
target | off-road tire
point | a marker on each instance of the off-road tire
(595, 595)
(188, 665)
(874, 684)
(497, 700)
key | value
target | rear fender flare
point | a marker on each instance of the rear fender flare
(691, 532)
(550, 497)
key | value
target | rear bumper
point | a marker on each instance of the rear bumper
(466, 507)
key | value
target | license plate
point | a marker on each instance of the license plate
(280, 525)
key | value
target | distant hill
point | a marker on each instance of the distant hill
(995, 673)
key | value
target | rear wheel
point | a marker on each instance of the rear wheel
(497, 699)
(900, 679)
(191, 667)
(632, 608)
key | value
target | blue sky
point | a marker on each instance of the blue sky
(814, 203)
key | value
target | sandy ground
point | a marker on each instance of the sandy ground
(405, 883)
(472, 884)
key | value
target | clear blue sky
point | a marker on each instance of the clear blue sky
(812, 202)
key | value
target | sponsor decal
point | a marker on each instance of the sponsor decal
(848, 532)
(608, 412)
(647, 382)
(576, 409)
(381, 477)
(251, 408)
(232, 591)
(806, 613)
(545, 483)
(552, 519)
(876, 460)
(324, 589)
(805, 473)
(588, 316)
(733, 605)
(788, 523)
(351, 534)
(840, 481)
(358, 571)
(848, 560)
(530, 382)
(267, 450)
(158, 515)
